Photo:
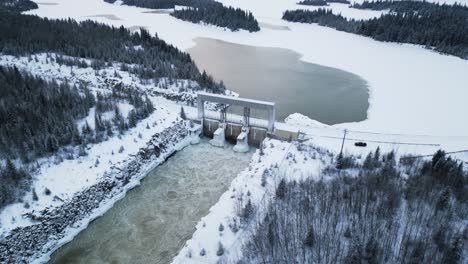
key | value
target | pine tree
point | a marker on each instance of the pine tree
(248, 210)
(132, 118)
(182, 114)
(454, 253)
(372, 251)
(310, 238)
(264, 180)
(34, 195)
(368, 162)
(281, 190)
(354, 255)
(220, 250)
(377, 155)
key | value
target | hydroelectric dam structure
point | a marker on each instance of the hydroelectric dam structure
(241, 129)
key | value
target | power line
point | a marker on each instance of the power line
(378, 141)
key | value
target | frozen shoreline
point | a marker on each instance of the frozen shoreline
(412, 90)
(403, 93)
(72, 232)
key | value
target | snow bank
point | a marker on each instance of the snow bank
(255, 184)
(35, 243)
(300, 120)
(64, 179)
(331, 138)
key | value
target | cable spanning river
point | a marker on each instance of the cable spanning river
(153, 221)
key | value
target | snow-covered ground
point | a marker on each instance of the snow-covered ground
(417, 105)
(412, 90)
(278, 160)
(292, 161)
(68, 177)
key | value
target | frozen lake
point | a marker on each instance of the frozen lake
(326, 94)
(153, 221)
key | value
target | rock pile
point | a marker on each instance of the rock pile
(24, 244)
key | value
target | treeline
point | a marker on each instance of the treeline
(414, 212)
(105, 128)
(441, 27)
(38, 117)
(321, 2)
(162, 4)
(14, 182)
(207, 11)
(313, 3)
(323, 17)
(408, 6)
(17, 6)
(153, 59)
(338, 1)
(228, 17)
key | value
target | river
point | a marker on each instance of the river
(154, 220)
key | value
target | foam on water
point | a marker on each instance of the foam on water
(153, 221)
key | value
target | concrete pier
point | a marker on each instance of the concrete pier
(255, 133)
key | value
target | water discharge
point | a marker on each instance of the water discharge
(153, 221)
(326, 94)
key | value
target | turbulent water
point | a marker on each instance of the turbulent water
(153, 221)
(326, 94)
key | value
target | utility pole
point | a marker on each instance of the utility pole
(342, 144)
(339, 159)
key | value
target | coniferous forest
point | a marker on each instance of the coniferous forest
(17, 6)
(24, 35)
(321, 2)
(338, 1)
(441, 27)
(388, 213)
(313, 3)
(14, 182)
(39, 118)
(206, 11)
(229, 17)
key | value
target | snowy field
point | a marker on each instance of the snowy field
(412, 90)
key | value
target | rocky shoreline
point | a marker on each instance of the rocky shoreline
(29, 243)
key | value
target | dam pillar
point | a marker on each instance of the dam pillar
(219, 136)
(271, 120)
(201, 108)
(242, 144)
(195, 130)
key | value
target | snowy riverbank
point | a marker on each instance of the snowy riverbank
(64, 177)
(412, 90)
(221, 236)
(72, 192)
(36, 242)
(226, 223)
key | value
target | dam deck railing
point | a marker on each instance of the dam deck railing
(237, 128)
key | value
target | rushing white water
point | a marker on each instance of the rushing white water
(152, 223)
